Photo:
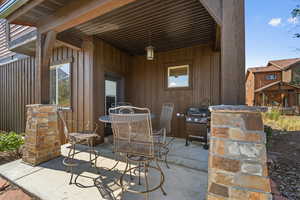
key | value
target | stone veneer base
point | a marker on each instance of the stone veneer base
(42, 141)
(237, 157)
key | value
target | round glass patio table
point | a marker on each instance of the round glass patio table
(107, 119)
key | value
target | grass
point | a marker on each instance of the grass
(275, 120)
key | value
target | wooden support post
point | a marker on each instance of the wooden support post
(44, 47)
(233, 52)
(217, 39)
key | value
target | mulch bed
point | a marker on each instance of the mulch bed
(6, 157)
(284, 164)
(9, 191)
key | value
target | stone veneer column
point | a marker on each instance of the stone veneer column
(237, 156)
(42, 142)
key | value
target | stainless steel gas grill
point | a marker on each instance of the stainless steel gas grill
(197, 125)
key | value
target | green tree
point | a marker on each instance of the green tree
(296, 13)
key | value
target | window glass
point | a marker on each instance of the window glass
(271, 77)
(178, 76)
(60, 85)
(296, 75)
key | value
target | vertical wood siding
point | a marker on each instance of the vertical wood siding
(106, 59)
(17, 88)
(146, 81)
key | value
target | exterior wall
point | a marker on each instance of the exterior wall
(260, 79)
(17, 83)
(287, 76)
(295, 73)
(145, 83)
(250, 89)
(17, 89)
(107, 59)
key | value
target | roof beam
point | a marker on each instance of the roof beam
(78, 12)
(24, 9)
(214, 7)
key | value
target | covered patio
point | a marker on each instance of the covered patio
(188, 53)
(49, 181)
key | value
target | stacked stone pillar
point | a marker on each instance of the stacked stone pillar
(42, 141)
(237, 157)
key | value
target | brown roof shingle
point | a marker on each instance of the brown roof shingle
(283, 64)
(270, 68)
(275, 65)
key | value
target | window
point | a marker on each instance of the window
(296, 75)
(271, 77)
(60, 85)
(178, 76)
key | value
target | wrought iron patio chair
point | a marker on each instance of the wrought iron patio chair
(133, 138)
(82, 133)
(164, 129)
(118, 104)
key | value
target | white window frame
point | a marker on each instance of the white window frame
(55, 66)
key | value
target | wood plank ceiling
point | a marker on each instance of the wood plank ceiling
(169, 24)
(40, 11)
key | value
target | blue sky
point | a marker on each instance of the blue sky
(270, 32)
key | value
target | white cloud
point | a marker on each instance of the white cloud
(173, 84)
(293, 20)
(275, 22)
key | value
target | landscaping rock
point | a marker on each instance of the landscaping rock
(284, 165)
(3, 184)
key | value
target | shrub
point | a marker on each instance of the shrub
(274, 114)
(269, 131)
(10, 142)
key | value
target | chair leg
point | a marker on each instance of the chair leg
(139, 173)
(162, 178)
(68, 158)
(93, 150)
(122, 177)
(146, 179)
(166, 160)
(72, 171)
(130, 174)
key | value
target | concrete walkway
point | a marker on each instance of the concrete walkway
(185, 180)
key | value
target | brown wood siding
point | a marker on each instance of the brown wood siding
(107, 59)
(80, 70)
(17, 86)
(287, 76)
(261, 81)
(250, 89)
(145, 82)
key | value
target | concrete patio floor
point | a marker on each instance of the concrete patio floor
(185, 180)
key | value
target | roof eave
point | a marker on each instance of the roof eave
(10, 6)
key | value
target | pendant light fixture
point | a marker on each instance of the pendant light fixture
(150, 49)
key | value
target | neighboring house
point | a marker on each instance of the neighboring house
(98, 40)
(277, 84)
